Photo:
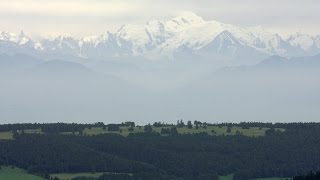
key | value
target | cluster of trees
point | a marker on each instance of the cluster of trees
(113, 127)
(196, 123)
(116, 127)
(158, 124)
(170, 131)
(49, 128)
(128, 124)
(15, 127)
(56, 128)
(272, 131)
(309, 176)
(180, 123)
(200, 124)
(62, 127)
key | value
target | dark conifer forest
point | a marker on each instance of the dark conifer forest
(165, 155)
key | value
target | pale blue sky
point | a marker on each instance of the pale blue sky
(89, 17)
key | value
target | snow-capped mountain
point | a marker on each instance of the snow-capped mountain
(19, 39)
(11, 43)
(61, 45)
(185, 36)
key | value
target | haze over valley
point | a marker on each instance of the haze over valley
(186, 67)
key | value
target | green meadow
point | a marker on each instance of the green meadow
(124, 131)
(9, 173)
(69, 176)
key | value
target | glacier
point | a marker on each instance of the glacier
(188, 36)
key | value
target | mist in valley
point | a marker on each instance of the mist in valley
(59, 90)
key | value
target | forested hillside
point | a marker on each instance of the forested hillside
(293, 151)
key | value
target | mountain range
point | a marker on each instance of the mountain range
(184, 37)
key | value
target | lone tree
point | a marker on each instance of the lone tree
(229, 129)
(131, 129)
(197, 123)
(204, 125)
(189, 125)
(180, 123)
(174, 131)
(147, 128)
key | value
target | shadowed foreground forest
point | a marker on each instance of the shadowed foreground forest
(147, 154)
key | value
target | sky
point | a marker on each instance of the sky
(91, 17)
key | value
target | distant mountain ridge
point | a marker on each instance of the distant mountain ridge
(186, 36)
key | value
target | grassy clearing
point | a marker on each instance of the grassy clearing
(216, 130)
(124, 131)
(8, 173)
(6, 135)
(228, 177)
(94, 131)
(33, 131)
(70, 133)
(211, 130)
(274, 178)
(68, 176)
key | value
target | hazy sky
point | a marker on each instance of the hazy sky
(90, 17)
